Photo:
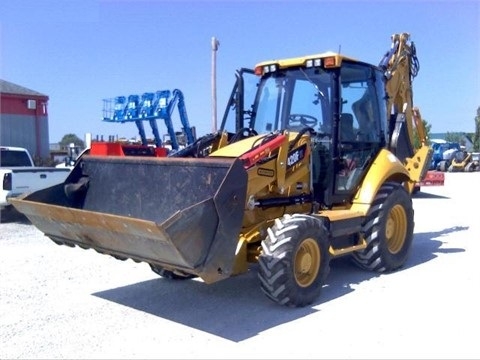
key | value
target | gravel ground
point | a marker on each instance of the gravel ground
(58, 302)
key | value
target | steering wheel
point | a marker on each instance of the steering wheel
(302, 119)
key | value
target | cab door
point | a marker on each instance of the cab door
(360, 126)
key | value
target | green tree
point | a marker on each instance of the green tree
(71, 138)
(416, 138)
(476, 135)
(39, 161)
(457, 137)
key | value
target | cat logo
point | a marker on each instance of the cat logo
(265, 172)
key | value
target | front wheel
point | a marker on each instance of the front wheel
(388, 230)
(295, 261)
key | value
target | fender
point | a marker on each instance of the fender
(385, 167)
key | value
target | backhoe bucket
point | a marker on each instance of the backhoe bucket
(177, 213)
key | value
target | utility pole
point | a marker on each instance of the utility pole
(215, 45)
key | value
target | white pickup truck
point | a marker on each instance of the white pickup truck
(20, 175)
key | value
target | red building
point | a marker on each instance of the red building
(24, 119)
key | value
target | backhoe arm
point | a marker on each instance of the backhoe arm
(400, 65)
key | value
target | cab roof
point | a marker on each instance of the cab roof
(299, 61)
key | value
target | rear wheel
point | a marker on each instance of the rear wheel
(295, 260)
(388, 230)
(168, 274)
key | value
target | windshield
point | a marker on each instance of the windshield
(294, 100)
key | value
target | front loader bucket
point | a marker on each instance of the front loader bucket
(178, 213)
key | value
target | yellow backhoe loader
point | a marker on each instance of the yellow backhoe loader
(314, 160)
(466, 161)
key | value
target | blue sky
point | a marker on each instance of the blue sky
(79, 52)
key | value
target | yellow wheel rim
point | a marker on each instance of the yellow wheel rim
(396, 229)
(307, 262)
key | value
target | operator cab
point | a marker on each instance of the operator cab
(342, 106)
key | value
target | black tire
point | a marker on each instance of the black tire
(443, 166)
(416, 189)
(295, 261)
(168, 274)
(388, 230)
(7, 214)
(10, 214)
